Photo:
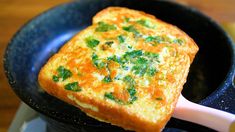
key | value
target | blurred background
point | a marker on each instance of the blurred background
(14, 13)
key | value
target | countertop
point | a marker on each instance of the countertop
(14, 13)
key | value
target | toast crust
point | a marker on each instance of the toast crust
(145, 114)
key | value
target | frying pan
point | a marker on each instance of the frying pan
(210, 81)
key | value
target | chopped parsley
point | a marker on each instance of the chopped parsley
(151, 71)
(150, 39)
(55, 78)
(142, 62)
(163, 39)
(129, 47)
(126, 19)
(178, 41)
(91, 42)
(97, 62)
(152, 56)
(132, 93)
(107, 79)
(145, 23)
(94, 56)
(63, 73)
(109, 43)
(73, 87)
(139, 69)
(131, 88)
(132, 29)
(156, 39)
(121, 39)
(104, 27)
(129, 80)
(109, 96)
(143, 66)
(113, 98)
(132, 54)
(116, 59)
(140, 66)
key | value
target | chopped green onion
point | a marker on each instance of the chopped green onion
(91, 42)
(63, 73)
(73, 87)
(107, 79)
(104, 27)
(55, 78)
(132, 29)
(145, 23)
(121, 39)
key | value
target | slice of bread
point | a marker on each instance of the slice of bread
(128, 69)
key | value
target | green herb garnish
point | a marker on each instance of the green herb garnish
(163, 39)
(132, 93)
(152, 55)
(107, 79)
(91, 42)
(151, 71)
(178, 41)
(157, 39)
(139, 69)
(142, 62)
(145, 23)
(97, 62)
(132, 54)
(63, 73)
(150, 39)
(126, 19)
(131, 89)
(55, 78)
(132, 29)
(111, 97)
(116, 59)
(140, 66)
(73, 87)
(109, 43)
(121, 39)
(104, 27)
(129, 80)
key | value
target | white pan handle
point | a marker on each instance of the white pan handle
(206, 116)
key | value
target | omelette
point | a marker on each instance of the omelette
(128, 69)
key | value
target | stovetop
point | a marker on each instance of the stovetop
(27, 120)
